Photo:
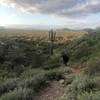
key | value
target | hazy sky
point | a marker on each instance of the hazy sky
(50, 13)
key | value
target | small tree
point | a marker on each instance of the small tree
(52, 36)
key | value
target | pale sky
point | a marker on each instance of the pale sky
(74, 14)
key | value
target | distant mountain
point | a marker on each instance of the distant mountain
(86, 29)
(66, 29)
(70, 30)
(2, 27)
(98, 29)
(90, 30)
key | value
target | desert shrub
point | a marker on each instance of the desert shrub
(35, 82)
(38, 78)
(18, 94)
(84, 83)
(83, 47)
(54, 74)
(69, 78)
(7, 84)
(93, 66)
(89, 96)
(7, 74)
(19, 53)
(83, 88)
(33, 79)
(31, 72)
(81, 96)
(81, 51)
(52, 62)
(69, 96)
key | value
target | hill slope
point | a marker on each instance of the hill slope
(27, 69)
(85, 63)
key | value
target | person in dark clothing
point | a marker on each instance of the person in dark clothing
(65, 58)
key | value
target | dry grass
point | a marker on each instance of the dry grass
(60, 37)
(69, 36)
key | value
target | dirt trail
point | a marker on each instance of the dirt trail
(55, 90)
(76, 71)
(52, 92)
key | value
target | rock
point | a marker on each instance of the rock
(62, 81)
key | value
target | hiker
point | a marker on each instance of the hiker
(65, 58)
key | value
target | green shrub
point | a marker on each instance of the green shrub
(18, 94)
(84, 83)
(19, 53)
(81, 96)
(7, 84)
(93, 66)
(31, 72)
(34, 82)
(83, 47)
(83, 88)
(38, 78)
(89, 96)
(33, 79)
(52, 62)
(7, 74)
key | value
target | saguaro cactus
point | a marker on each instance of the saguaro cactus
(52, 36)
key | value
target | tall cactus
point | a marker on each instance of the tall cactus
(52, 37)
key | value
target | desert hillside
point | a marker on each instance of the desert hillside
(29, 72)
